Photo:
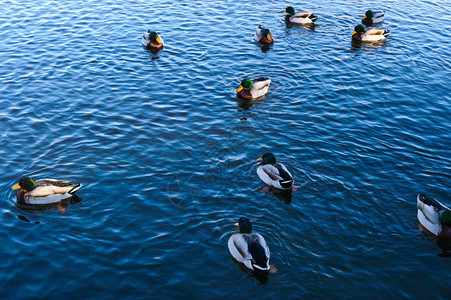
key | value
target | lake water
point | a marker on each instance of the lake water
(167, 153)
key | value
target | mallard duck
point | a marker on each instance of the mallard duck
(263, 35)
(434, 216)
(45, 191)
(274, 174)
(373, 17)
(249, 248)
(152, 40)
(253, 89)
(300, 17)
(368, 34)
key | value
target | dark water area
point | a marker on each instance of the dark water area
(167, 153)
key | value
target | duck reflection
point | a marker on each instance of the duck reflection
(262, 277)
(310, 27)
(442, 243)
(61, 206)
(283, 195)
(357, 45)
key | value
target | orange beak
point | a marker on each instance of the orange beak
(260, 159)
(239, 89)
(364, 17)
(236, 224)
(284, 12)
(17, 186)
(354, 32)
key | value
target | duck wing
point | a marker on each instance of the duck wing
(301, 15)
(47, 187)
(238, 247)
(375, 31)
(259, 251)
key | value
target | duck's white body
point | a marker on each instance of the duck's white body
(243, 246)
(429, 213)
(301, 18)
(372, 35)
(377, 18)
(276, 175)
(48, 191)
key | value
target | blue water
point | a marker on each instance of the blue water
(167, 154)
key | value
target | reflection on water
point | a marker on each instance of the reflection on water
(51, 206)
(261, 276)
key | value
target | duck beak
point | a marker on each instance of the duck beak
(364, 17)
(260, 159)
(158, 40)
(239, 89)
(354, 32)
(268, 37)
(236, 224)
(284, 12)
(17, 186)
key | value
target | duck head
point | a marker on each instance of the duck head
(267, 158)
(358, 29)
(267, 36)
(369, 14)
(154, 37)
(245, 225)
(289, 10)
(245, 84)
(25, 183)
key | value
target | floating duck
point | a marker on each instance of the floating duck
(300, 17)
(274, 174)
(44, 191)
(368, 34)
(373, 17)
(253, 89)
(263, 35)
(152, 41)
(434, 216)
(249, 248)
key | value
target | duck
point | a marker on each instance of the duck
(273, 173)
(300, 17)
(369, 34)
(45, 191)
(152, 41)
(373, 17)
(263, 35)
(434, 216)
(249, 248)
(253, 89)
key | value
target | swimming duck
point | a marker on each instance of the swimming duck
(434, 216)
(252, 89)
(152, 40)
(373, 17)
(249, 248)
(263, 35)
(44, 191)
(274, 174)
(368, 34)
(300, 17)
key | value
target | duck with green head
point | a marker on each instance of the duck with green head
(369, 34)
(253, 89)
(152, 41)
(263, 35)
(273, 173)
(249, 248)
(44, 191)
(299, 17)
(434, 216)
(373, 17)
